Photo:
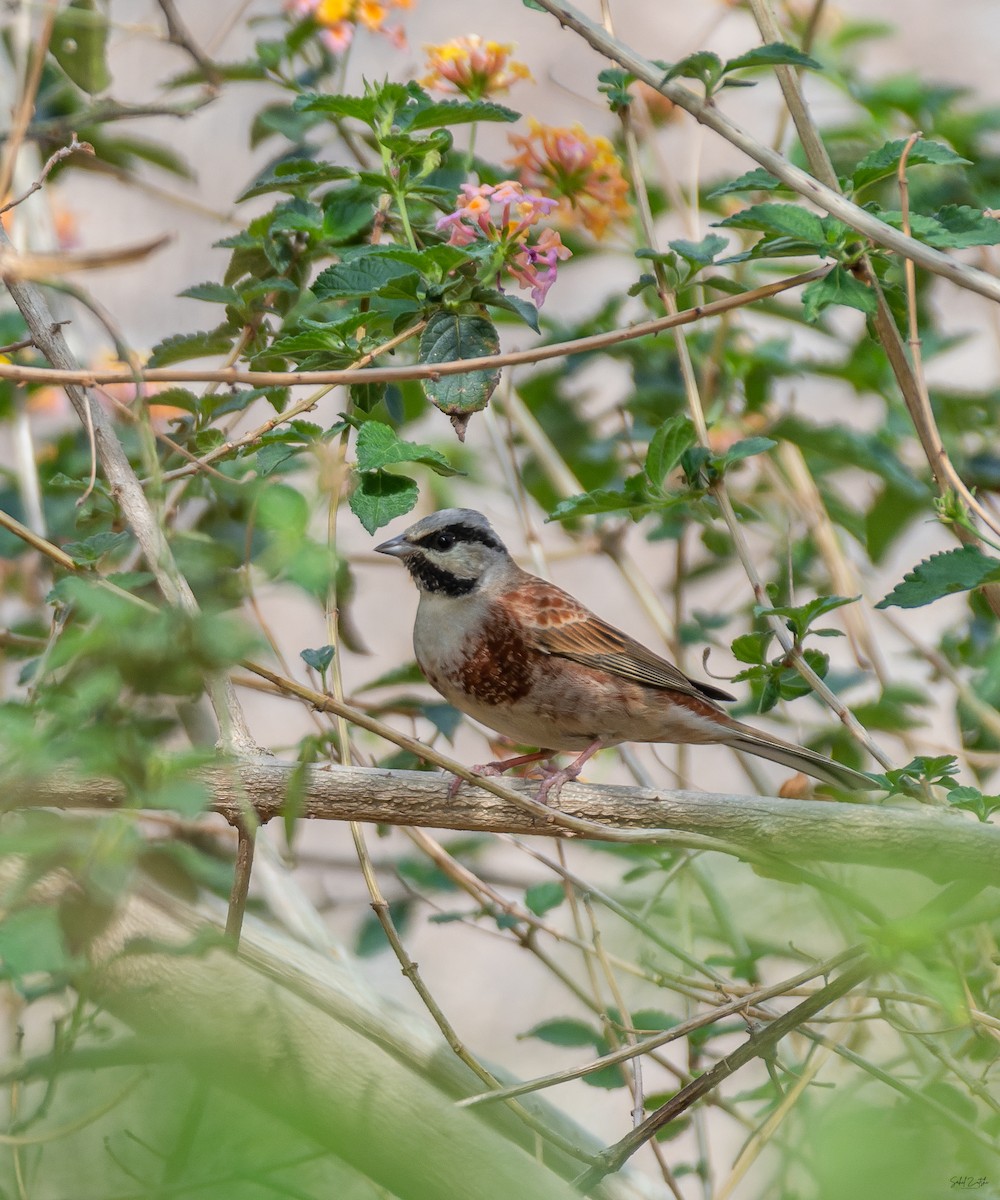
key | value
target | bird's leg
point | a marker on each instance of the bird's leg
(498, 768)
(554, 782)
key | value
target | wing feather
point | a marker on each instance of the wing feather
(559, 625)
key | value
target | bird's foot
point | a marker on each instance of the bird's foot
(498, 768)
(552, 784)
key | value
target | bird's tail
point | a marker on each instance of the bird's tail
(764, 745)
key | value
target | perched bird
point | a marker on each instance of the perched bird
(523, 657)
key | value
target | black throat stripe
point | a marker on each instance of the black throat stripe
(431, 578)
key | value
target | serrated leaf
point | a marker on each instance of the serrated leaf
(884, 162)
(214, 293)
(634, 497)
(564, 1031)
(757, 180)
(943, 575)
(359, 277)
(783, 220)
(745, 448)
(771, 55)
(515, 304)
(701, 253)
(79, 45)
(293, 174)
(703, 65)
(94, 548)
(379, 446)
(450, 336)
(182, 346)
(361, 108)
(380, 497)
(838, 286)
(541, 897)
(666, 446)
(457, 112)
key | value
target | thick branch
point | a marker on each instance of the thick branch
(940, 845)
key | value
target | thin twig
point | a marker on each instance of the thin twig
(73, 147)
(241, 881)
(26, 104)
(418, 370)
(758, 1044)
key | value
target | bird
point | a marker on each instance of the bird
(524, 658)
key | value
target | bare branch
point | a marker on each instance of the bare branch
(940, 845)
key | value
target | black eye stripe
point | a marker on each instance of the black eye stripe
(461, 533)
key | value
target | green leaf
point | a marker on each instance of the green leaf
(214, 293)
(784, 220)
(744, 448)
(771, 55)
(182, 346)
(32, 941)
(971, 799)
(379, 446)
(361, 108)
(943, 575)
(966, 226)
(450, 336)
(564, 1031)
(884, 162)
(457, 112)
(702, 65)
(94, 548)
(380, 497)
(666, 446)
(359, 277)
(79, 45)
(757, 180)
(838, 286)
(319, 659)
(541, 897)
(700, 254)
(634, 497)
(291, 175)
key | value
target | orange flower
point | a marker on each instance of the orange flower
(338, 19)
(581, 171)
(472, 67)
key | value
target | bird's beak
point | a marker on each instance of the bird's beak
(397, 547)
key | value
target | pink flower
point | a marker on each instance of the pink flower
(505, 215)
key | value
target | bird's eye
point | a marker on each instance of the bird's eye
(444, 541)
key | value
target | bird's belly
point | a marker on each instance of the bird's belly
(568, 706)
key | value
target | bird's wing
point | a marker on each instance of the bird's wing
(556, 624)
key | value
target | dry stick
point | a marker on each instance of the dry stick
(57, 157)
(241, 879)
(756, 1045)
(127, 492)
(43, 545)
(179, 35)
(908, 377)
(26, 105)
(707, 113)
(683, 1029)
(76, 375)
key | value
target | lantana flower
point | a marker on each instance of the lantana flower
(504, 216)
(338, 19)
(472, 67)
(581, 171)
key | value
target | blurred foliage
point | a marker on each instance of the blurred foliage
(360, 249)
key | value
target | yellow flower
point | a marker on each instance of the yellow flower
(582, 172)
(472, 67)
(338, 19)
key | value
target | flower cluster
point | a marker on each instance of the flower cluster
(583, 172)
(472, 67)
(338, 19)
(504, 216)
